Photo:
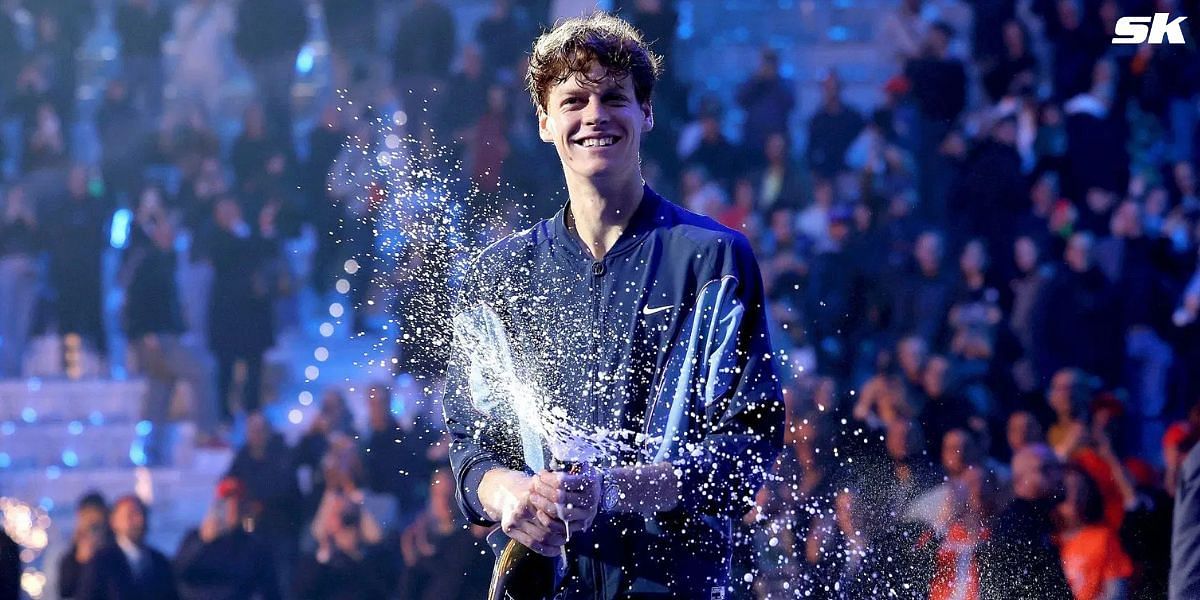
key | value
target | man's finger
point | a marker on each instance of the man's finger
(551, 522)
(568, 501)
(549, 491)
(561, 496)
(529, 542)
(541, 535)
(571, 482)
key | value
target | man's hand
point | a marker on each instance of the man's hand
(561, 496)
(507, 497)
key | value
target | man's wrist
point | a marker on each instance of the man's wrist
(642, 489)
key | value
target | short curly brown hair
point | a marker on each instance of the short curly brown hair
(574, 45)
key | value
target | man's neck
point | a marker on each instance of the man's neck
(599, 213)
(127, 544)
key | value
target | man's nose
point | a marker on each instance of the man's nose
(595, 113)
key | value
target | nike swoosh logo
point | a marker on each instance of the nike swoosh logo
(646, 310)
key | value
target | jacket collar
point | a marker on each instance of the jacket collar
(644, 219)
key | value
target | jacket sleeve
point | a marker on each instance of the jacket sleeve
(479, 442)
(740, 411)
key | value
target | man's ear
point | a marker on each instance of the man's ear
(545, 131)
(648, 111)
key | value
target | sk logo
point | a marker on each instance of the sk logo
(1134, 30)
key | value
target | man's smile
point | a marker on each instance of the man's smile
(597, 141)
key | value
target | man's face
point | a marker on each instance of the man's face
(1060, 392)
(596, 128)
(257, 432)
(1019, 431)
(954, 448)
(128, 521)
(1079, 253)
(928, 253)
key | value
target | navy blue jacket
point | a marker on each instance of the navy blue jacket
(664, 340)
(1185, 539)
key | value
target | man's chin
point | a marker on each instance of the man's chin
(598, 169)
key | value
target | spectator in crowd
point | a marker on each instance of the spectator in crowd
(240, 323)
(768, 100)
(333, 417)
(719, 157)
(224, 557)
(76, 234)
(254, 147)
(345, 565)
(502, 36)
(489, 147)
(963, 526)
(45, 137)
(1077, 42)
(141, 25)
(395, 452)
(1025, 288)
(831, 129)
(91, 534)
(1094, 156)
(127, 568)
(123, 136)
(1013, 67)
(1137, 266)
(20, 243)
(350, 27)
(265, 466)
(443, 557)
(344, 478)
(55, 42)
(1020, 559)
(12, 50)
(925, 298)
(1078, 320)
(939, 90)
(778, 183)
(324, 144)
(203, 32)
(903, 31)
(1092, 558)
(469, 105)
(1023, 430)
(908, 476)
(268, 37)
(153, 323)
(980, 203)
(422, 52)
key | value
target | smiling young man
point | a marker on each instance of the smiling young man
(623, 313)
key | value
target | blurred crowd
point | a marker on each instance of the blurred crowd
(984, 289)
(341, 514)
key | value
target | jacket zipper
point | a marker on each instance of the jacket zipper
(597, 287)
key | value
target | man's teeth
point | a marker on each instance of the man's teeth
(608, 141)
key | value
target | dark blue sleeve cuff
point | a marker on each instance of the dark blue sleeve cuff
(468, 490)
